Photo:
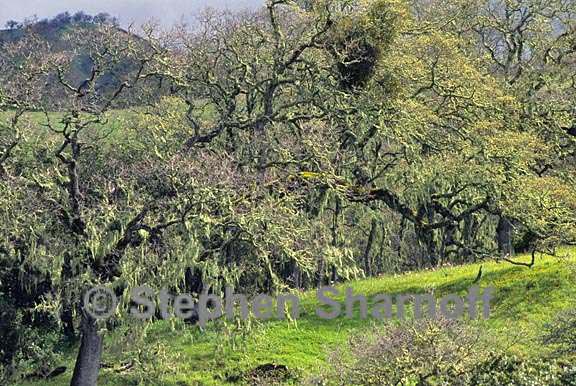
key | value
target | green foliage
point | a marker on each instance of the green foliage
(297, 148)
(440, 353)
(561, 333)
(434, 355)
(419, 353)
(360, 38)
(502, 369)
(28, 349)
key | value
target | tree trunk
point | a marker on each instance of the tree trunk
(388, 267)
(88, 360)
(67, 314)
(320, 272)
(335, 238)
(504, 237)
(426, 238)
(67, 319)
(367, 263)
(297, 276)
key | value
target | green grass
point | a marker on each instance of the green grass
(116, 129)
(525, 300)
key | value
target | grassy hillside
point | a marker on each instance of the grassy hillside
(525, 300)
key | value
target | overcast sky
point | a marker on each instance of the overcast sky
(128, 11)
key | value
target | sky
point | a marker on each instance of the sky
(166, 12)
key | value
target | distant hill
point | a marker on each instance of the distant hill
(55, 30)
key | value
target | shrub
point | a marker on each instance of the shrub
(33, 354)
(504, 369)
(561, 333)
(421, 353)
(443, 352)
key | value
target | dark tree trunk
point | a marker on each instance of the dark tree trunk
(320, 273)
(400, 238)
(67, 315)
(447, 241)
(88, 360)
(504, 237)
(367, 262)
(426, 238)
(334, 275)
(67, 319)
(468, 235)
(297, 275)
(380, 261)
(335, 238)
(193, 281)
